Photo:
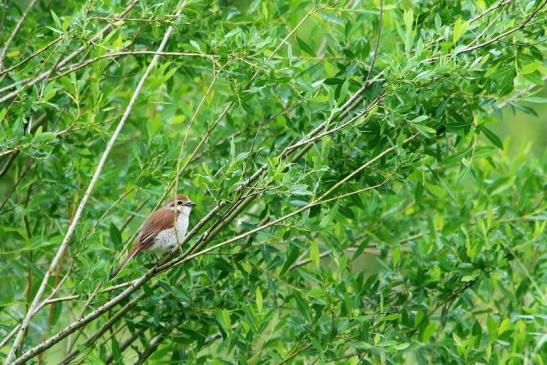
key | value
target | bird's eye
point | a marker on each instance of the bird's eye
(179, 202)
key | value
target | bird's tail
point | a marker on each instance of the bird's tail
(129, 256)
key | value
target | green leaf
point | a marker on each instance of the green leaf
(395, 255)
(304, 46)
(314, 254)
(420, 119)
(492, 328)
(468, 278)
(429, 331)
(401, 346)
(529, 68)
(258, 300)
(223, 318)
(425, 130)
(116, 352)
(408, 18)
(115, 235)
(3, 113)
(56, 20)
(333, 81)
(492, 137)
(459, 29)
(195, 45)
(504, 325)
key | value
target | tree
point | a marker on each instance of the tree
(354, 203)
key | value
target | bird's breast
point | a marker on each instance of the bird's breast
(167, 239)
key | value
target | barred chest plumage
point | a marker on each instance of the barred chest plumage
(167, 239)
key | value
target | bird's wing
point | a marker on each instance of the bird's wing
(158, 221)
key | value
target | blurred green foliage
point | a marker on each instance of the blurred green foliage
(521, 128)
(407, 226)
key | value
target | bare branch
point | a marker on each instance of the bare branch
(375, 54)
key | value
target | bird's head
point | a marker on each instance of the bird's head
(181, 203)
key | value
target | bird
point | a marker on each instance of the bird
(162, 230)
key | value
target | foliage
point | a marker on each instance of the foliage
(362, 210)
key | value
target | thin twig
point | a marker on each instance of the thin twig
(490, 9)
(370, 250)
(178, 169)
(487, 28)
(87, 62)
(111, 321)
(474, 19)
(375, 54)
(152, 347)
(28, 58)
(296, 352)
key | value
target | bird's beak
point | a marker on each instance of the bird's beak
(191, 204)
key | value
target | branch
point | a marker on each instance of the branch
(475, 18)
(490, 9)
(487, 28)
(152, 347)
(370, 250)
(111, 321)
(28, 58)
(84, 63)
(375, 54)
(87, 194)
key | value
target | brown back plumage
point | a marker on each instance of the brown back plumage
(161, 219)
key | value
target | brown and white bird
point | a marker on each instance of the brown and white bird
(162, 230)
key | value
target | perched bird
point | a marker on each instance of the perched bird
(162, 230)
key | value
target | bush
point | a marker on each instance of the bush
(353, 201)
